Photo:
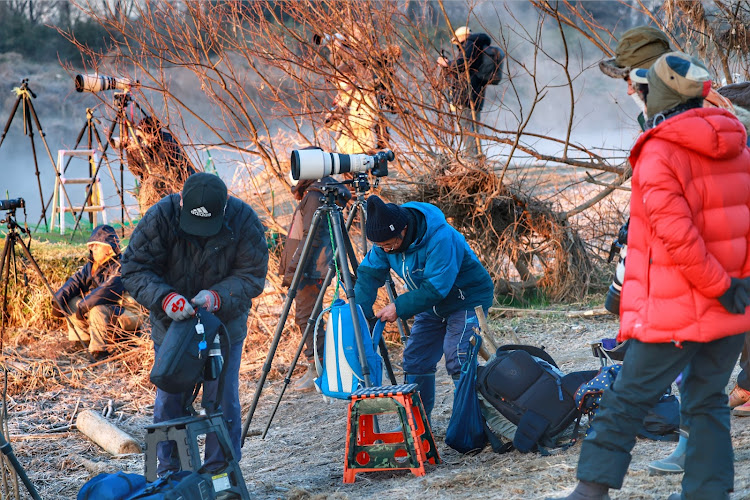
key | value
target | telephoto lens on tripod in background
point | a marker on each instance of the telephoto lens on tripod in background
(12, 204)
(314, 163)
(215, 361)
(98, 83)
(612, 301)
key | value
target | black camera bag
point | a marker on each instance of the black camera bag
(532, 396)
(181, 359)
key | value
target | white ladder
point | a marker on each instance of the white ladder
(60, 195)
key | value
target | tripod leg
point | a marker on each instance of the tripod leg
(34, 264)
(8, 452)
(337, 222)
(89, 192)
(33, 114)
(10, 119)
(30, 133)
(311, 327)
(291, 294)
(5, 274)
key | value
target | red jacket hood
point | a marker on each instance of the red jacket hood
(712, 132)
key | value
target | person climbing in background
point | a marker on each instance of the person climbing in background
(309, 195)
(444, 279)
(158, 161)
(353, 118)
(467, 96)
(94, 298)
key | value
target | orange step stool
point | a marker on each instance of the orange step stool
(368, 450)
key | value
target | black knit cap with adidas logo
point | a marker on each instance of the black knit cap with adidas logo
(204, 198)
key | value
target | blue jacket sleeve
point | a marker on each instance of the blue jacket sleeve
(444, 256)
(371, 275)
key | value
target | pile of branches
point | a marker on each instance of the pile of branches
(514, 234)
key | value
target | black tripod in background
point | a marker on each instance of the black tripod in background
(125, 127)
(8, 259)
(25, 94)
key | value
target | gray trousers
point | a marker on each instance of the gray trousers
(647, 371)
(101, 323)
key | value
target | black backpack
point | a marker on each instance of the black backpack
(490, 69)
(531, 394)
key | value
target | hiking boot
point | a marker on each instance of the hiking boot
(586, 490)
(306, 382)
(738, 396)
(742, 410)
(674, 463)
(99, 355)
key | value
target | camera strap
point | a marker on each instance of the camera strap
(333, 255)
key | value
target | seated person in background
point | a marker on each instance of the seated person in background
(158, 161)
(94, 299)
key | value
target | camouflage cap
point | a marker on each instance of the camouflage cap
(638, 48)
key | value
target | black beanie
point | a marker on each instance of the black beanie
(384, 220)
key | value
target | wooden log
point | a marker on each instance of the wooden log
(107, 435)
(489, 344)
(483, 351)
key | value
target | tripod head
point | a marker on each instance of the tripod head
(361, 184)
(10, 206)
(24, 87)
(13, 226)
(122, 99)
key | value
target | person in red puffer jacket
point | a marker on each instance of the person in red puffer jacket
(686, 290)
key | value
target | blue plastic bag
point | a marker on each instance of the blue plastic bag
(466, 429)
(116, 486)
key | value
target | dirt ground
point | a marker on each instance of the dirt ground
(302, 456)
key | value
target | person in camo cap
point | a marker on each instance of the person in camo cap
(686, 288)
(639, 48)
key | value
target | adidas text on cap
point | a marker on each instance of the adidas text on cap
(204, 198)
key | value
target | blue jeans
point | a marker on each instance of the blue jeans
(168, 406)
(432, 336)
(647, 371)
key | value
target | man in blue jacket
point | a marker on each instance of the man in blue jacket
(445, 282)
(94, 298)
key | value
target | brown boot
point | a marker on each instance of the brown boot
(738, 396)
(306, 382)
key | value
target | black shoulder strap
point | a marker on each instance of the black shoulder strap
(538, 352)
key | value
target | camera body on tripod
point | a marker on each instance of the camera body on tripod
(13, 204)
(619, 247)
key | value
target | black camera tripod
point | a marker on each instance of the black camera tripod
(344, 254)
(125, 127)
(8, 260)
(25, 94)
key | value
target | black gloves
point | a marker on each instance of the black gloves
(737, 297)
